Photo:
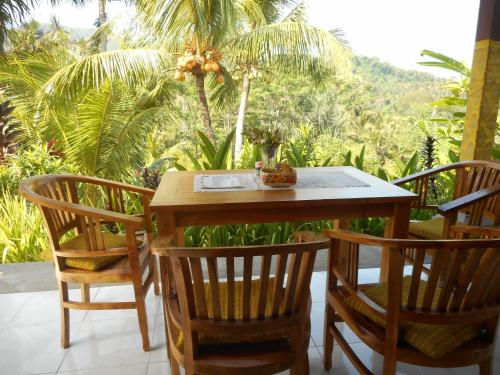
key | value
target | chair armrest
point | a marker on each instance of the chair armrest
(428, 173)
(480, 231)
(82, 210)
(469, 199)
(115, 184)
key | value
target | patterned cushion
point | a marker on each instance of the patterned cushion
(204, 338)
(429, 229)
(431, 339)
(94, 263)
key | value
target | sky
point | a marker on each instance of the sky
(395, 31)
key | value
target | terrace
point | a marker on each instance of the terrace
(108, 342)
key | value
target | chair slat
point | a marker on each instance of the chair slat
(213, 278)
(84, 232)
(466, 274)
(432, 282)
(304, 281)
(247, 286)
(199, 287)
(291, 284)
(98, 234)
(92, 235)
(264, 285)
(184, 281)
(457, 260)
(278, 282)
(416, 276)
(230, 287)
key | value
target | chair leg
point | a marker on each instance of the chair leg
(301, 367)
(389, 366)
(154, 266)
(85, 289)
(63, 297)
(142, 315)
(485, 367)
(328, 338)
(174, 366)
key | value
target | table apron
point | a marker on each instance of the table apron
(254, 215)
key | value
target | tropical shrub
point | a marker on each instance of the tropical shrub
(35, 159)
(22, 236)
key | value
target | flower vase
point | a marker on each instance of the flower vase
(269, 155)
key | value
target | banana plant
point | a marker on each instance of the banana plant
(213, 157)
(359, 160)
(296, 158)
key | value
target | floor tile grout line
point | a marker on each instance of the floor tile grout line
(7, 325)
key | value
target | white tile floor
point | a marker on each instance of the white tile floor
(109, 343)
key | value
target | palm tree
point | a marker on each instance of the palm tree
(99, 130)
(288, 45)
(199, 34)
(247, 33)
(195, 31)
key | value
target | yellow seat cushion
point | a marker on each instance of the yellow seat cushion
(429, 229)
(94, 263)
(433, 340)
(204, 338)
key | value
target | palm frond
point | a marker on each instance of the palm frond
(445, 62)
(181, 22)
(131, 66)
(293, 39)
(297, 13)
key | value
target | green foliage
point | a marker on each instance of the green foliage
(214, 157)
(36, 159)
(249, 234)
(9, 130)
(22, 237)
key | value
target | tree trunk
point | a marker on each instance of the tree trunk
(240, 122)
(2, 42)
(205, 113)
(102, 20)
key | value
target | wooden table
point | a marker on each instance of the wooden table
(176, 204)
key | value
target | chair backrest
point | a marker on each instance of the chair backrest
(213, 298)
(469, 293)
(71, 203)
(470, 286)
(472, 176)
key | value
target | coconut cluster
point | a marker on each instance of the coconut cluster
(191, 63)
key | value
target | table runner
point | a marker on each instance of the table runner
(250, 181)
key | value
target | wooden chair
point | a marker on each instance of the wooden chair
(217, 323)
(410, 318)
(476, 186)
(94, 255)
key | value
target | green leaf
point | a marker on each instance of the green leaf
(195, 161)
(209, 147)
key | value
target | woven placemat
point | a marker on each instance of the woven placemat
(250, 181)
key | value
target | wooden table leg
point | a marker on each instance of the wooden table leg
(343, 259)
(167, 227)
(395, 227)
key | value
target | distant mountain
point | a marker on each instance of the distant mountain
(75, 32)
(374, 67)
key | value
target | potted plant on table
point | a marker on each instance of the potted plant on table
(272, 174)
(269, 140)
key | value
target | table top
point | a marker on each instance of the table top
(175, 193)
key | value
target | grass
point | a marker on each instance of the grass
(22, 236)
